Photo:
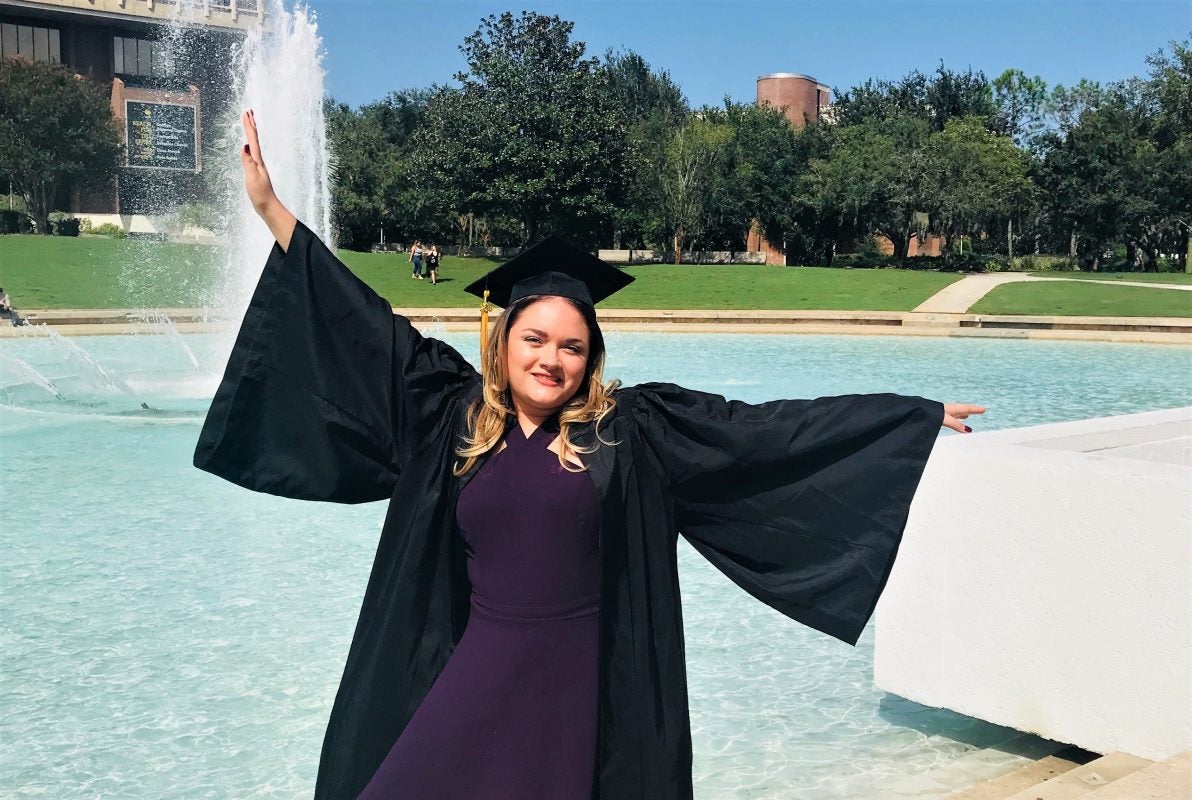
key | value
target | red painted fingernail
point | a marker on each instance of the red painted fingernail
(967, 429)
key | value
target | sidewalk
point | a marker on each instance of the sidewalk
(959, 297)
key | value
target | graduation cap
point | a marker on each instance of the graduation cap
(554, 266)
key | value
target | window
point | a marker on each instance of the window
(138, 57)
(35, 44)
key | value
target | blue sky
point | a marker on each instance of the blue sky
(714, 48)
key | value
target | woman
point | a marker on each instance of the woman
(432, 264)
(521, 633)
(416, 259)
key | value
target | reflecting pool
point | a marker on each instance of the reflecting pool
(168, 635)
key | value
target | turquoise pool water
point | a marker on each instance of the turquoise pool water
(167, 635)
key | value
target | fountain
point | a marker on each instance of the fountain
(163, 325)
(89, 368)
(277, 72)
(159, 625)
(17, 372)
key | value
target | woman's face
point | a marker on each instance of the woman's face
(547, 353)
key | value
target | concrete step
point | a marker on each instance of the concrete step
(989, 759)
(1163, 780)
(1024, 777)
(1084, 780)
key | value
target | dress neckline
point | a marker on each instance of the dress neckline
(550, 426)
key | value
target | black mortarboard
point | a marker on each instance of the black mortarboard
(553, 267)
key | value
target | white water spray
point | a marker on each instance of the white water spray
(277, 72)
(90, 370)
(165, 326)
(21, 371)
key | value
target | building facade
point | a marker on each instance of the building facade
(165, 67)
(802, 98)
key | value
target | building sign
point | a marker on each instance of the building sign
(161, 135)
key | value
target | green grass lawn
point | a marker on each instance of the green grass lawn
(97, 272)
(1110, 277)
(681, 287)
(1084, 298)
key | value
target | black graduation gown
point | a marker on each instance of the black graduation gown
(328, 395)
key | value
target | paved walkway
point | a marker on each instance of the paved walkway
(959, 297)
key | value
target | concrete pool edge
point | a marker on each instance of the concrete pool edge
(1139, 330)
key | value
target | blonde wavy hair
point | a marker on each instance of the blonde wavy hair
(489, 414)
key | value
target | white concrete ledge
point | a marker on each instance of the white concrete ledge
(1140, 330)
(1045, 583)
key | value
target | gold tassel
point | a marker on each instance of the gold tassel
(485, 307)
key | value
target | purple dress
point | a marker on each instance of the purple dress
(513, 713)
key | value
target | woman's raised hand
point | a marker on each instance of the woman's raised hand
(256, 177)
(955, 412)
(260, 189)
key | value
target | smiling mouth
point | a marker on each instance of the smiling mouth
(546, 380)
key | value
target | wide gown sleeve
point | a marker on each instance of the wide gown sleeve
(802, 503)
(327, 393)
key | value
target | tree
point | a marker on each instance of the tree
(1064, 106)
(1020, 102)
(1115, 171)
(980, 180)
(814, 229)
(400, 115)
(364, 168)
(764, 171)
(693, 185)
(935, 100)
(377, 184)
(955, 95)
(879, 99)
(653, 107)
(876, 179)
(532, 133)
(641, 92)
(56, 133)
(1168, 93)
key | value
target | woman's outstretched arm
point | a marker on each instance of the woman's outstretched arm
(260, 189)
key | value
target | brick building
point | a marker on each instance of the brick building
(162, 87)
(802, 98)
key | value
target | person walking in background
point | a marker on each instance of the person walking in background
(416, 259)
(432, 264)
(6, 309)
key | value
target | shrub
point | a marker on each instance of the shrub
(870, 250)
(973, 262)
(66, 227)
(1054, 263)
(63, 224)
(109, 229)
(865, 260)
(924, 263)
(13, 221)
(197, 215)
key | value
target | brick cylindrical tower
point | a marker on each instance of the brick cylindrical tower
(801, 97)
